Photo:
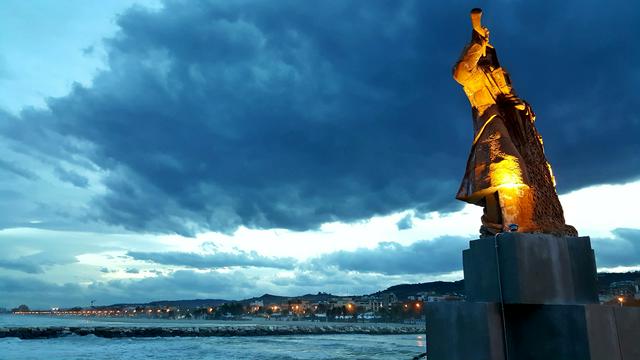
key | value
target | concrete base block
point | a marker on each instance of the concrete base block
(534, 269)
(614, 332)
(460, 331)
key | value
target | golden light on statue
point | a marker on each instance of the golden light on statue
(534, 292)
(507, 172)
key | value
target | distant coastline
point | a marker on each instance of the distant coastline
(396, 304)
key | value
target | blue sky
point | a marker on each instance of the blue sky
(166, 149)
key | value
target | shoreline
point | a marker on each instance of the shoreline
(49, 332)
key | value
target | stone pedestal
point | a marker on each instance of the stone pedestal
(534, 269)
(462, 330)
(549, 308)
(457, 331)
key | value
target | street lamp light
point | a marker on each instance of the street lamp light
(620, 300)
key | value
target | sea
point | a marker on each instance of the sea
(308, 347)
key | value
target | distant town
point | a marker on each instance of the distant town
(400, 303)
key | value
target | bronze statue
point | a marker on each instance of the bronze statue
(507, 172)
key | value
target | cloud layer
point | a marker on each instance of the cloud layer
(437, 256)
(181, 284)
(621, 250)
(360, 271)
(214, 115)
(212, 261)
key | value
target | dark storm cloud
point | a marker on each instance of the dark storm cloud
(281, 114)
(622, 250)
(29, 291)
(181, 284)
(437, 256)
(17, 170)
(175, 286)
(35, 263)
(212, 261)
(21, 265)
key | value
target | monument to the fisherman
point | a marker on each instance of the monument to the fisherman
(530, 281)
(507, 172)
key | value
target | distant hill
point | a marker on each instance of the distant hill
(276, 299)
(441, 287)
(195, 303)
(402, 291)
(189, 303)
(605, 279)
(266, 299)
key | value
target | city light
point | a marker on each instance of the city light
(334, 309)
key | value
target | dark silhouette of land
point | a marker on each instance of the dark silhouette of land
(402, 292)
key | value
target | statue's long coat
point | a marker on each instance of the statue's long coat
(507, 149)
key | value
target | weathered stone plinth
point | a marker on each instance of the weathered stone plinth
(462, 330)
(534, 269)
(549, 309)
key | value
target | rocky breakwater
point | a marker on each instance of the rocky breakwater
(124, 332)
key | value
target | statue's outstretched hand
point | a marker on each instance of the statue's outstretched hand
(476, 23)
(483, 31)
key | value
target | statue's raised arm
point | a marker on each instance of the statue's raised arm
(468, 62)
(507, 172)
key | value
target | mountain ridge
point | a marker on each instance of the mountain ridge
(402, 291)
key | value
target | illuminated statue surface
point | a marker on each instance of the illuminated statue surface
(507, 172)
